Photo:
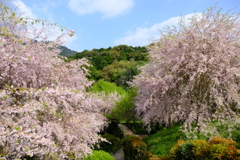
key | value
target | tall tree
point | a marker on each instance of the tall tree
(44, 108)
(193, 74)
(120, 72)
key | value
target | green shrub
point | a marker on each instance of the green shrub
(134, 148)
(187, 151)
(197, 149)
(161, 142)
(215, 149)
(107, 87)
(222, 148)
(200, 148)
(99, 155)
(149, 156)
(124, 110)
(175, 152)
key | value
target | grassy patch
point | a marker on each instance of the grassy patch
(99, 155)
(161, 142)
(236, 137)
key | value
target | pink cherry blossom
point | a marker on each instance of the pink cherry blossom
(193, 74)
(44, 107)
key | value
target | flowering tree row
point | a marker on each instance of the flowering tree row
(193, 74)
(44, 108)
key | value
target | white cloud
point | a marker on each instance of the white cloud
(19, 7)
(69, 41)
(46, 9)
(108, 8)
(143, 36)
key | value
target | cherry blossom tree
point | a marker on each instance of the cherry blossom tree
(44, 108)
(193, 74)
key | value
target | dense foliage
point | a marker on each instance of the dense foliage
(216, 148)
(193, 74)
(161, 142)
(120, 72)
(44, 108)
(133, 148)
(118, 64)
(99, 155)
(124, 109)
(106, 56)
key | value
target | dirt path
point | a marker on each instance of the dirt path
(126, 131)
(119, 155)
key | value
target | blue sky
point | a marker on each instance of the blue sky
(105, 23)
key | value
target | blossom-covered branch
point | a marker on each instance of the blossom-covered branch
(44, 108)
(193, 74)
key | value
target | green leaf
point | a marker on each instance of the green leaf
(18, 128)
(19, 141)
(5, 97)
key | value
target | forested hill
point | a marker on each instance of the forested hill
(106, 56)
(117, 64)
(67, 52)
